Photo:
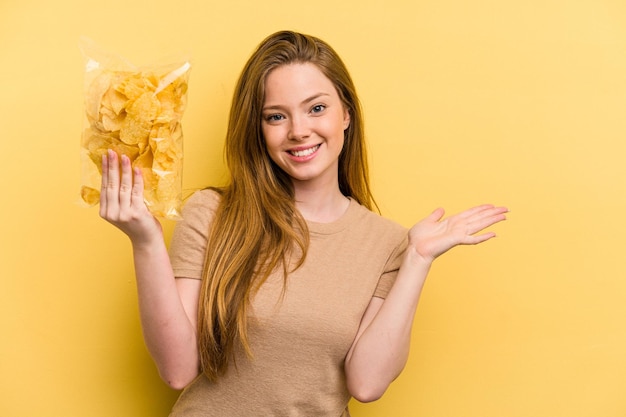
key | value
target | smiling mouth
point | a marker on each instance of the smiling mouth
(305, 152)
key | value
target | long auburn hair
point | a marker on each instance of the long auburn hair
(257, 228)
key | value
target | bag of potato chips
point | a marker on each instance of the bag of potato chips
(135, 111)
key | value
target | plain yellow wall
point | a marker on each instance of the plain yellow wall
(512, 102)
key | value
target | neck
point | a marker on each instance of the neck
(321, 205)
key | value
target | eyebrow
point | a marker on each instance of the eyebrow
(306, 100)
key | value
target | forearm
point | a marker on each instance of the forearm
(382, 348)
(169, 333)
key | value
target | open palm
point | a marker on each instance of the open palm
(434, 235)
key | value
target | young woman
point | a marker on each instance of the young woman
(283, 293)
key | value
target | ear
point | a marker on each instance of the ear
(346, 118)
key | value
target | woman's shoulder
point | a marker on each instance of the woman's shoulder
(200, 207)
(376, 220)
(375, 224)
(377, 236)
(206, 198)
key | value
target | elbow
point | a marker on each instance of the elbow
(367, 392)
(178, 381)
(177, 385)
(366, 384)
(367, 398)
(177, 374)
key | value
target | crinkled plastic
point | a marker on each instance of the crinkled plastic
(135, 111)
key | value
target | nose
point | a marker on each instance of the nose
(299, 128)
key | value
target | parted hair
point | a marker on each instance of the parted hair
(257, 229)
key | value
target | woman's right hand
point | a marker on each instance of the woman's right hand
(122, 203)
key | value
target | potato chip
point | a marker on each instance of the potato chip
(112, 123)
(114, 100)
(94, 94)
(139, 119)
(90, 195)
(136, 113)
(97, 143)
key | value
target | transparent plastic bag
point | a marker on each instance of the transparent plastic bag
(135, 111)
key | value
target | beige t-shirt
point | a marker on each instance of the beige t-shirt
(299, 343)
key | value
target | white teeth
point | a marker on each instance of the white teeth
(305, 152)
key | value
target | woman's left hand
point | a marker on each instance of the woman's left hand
(434, 235)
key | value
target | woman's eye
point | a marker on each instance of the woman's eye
(318, 108)
(273, 117)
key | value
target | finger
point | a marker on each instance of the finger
(478, 210)
(126, 183)
(137, 192)
(113, 182)
(436, 215)
(482, 212)
(486, 220)
(476, 239)
(103, 185)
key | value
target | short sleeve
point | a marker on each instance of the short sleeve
(390, 271)
(189, 238)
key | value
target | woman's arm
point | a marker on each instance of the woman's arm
(381, 347)
(167, 306)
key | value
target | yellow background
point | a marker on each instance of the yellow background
(520, 103)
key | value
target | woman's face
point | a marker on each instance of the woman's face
(303, 123)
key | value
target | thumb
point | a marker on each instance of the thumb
(436, 215)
